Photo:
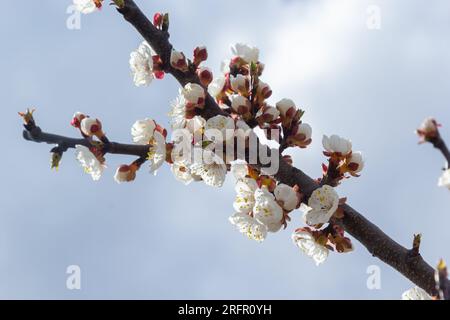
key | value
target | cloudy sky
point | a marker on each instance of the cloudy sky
(156, 238)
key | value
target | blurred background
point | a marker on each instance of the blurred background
(158, 239)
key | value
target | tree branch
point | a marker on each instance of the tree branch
(375, 240)
(440, 144)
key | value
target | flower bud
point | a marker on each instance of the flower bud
(200, 55)
(240, 104)
(91, 127)
(158, 19)
(287, 110)
(125, 173)
(217, 87)
(267, 114)
(428, 130)
(76, 119)
(264, 91)
(194, 94)
(240, 84)
(354, 163)
(205, 75)
(178, 60)
(300, 135)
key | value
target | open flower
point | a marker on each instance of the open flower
(336, 145)
(307, 243)
(89, 162)
(416, 293)
(141, 65)
(428, 130)
(249, 226)
(444, 180)
(245, 195)
(142, 131)
(178, 113)
(157, 152)
(211, 168)
(239, 168)
(194, 95)
(322, 204)
(267, 211)
(87, 6)
(286, 196)
(220, 128)
(245, 52)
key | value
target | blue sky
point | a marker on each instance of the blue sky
(156, 238)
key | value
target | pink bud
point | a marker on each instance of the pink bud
(205, 75)
(157, 19)
(200, 55)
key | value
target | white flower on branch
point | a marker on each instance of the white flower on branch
(249, 226)
(142, 131)
(157, 152)
(245, 52)
(240, 104)
(416, 293)
(91, 127)
(322, 204)
(220, 128)
(337, 145)
(286, 107)
(306, 242)
(89, 162)
(267, 211)
(194, 95)
(141, 65)
(86, 6)
(355, 163)
(178, 60)
(239, 168)
(286, 196)
(178, 112)
(245, 195)
(444, 180)
(240, 84)
(210, 167)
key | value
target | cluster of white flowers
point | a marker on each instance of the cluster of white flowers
(258, 210)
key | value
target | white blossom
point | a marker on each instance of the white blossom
(194, 95)
(249, 226)
(267, 211)
(245, 195)
(211, 168)
(286, 196)
(285, 106)
(217, 86)
(416, 293)
(444, 180)
(245, 52)
(240, 83)
(178, 112)
(240, 104)
(308, 245)
(239, 168)
(336, 144)
(85, 6)
(89, 162)
(305, 130)
(178, 60)
(90, 126)
(222, 125)
(182, 172)
(322, 204)
(141, 65)
(356, 162)
(157, 152)
(142, 131)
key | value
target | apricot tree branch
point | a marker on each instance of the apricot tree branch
(440, 144)
(374, 239)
